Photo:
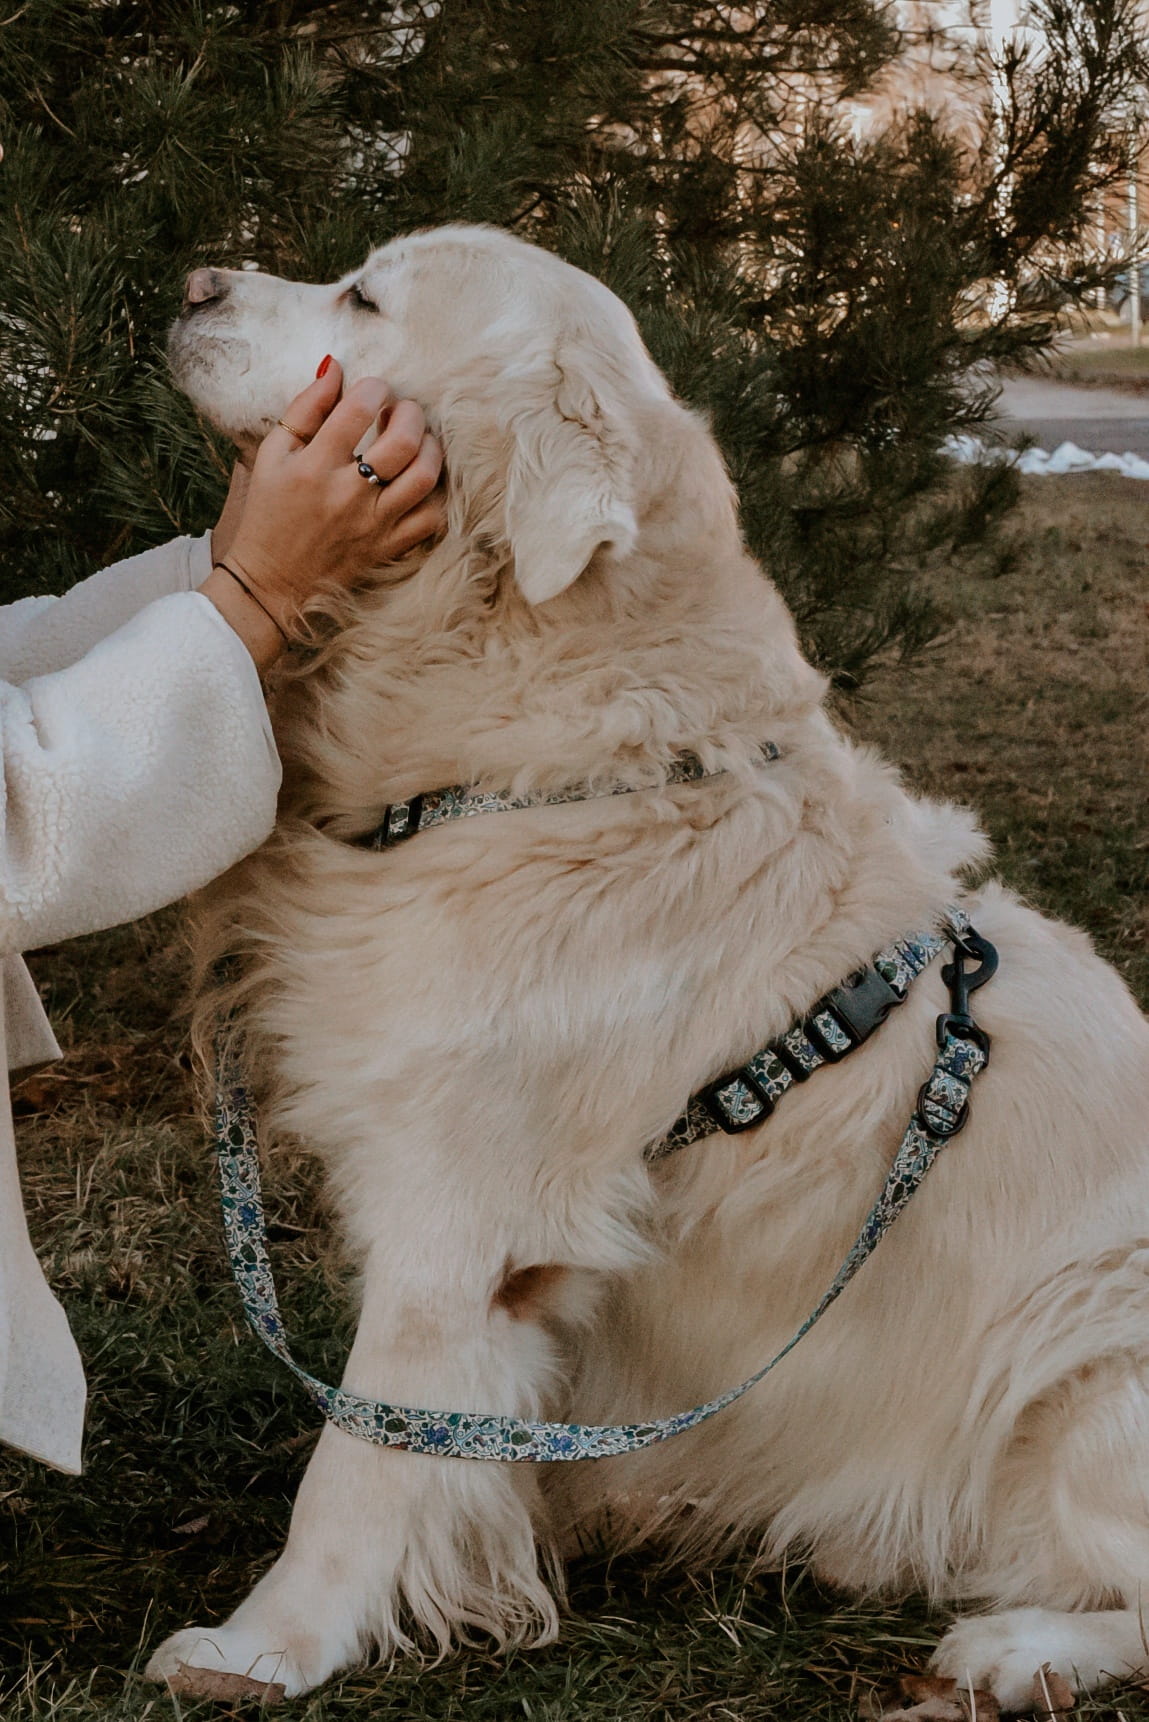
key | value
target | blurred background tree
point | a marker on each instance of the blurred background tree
(834, 299)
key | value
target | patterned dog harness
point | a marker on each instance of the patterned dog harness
(738, 1101)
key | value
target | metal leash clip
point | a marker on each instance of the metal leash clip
(934, 1111)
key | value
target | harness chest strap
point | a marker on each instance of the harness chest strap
(963, 1052)
(841, 1021)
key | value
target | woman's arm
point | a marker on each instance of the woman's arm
(147, 765)
(131, 777)
(41, 635)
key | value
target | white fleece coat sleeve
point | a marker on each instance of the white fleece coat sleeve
(135, 775)
(39, 635)
(133, 768)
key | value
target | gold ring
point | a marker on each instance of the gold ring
(283, 425)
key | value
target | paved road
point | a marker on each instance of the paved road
(1104, 421)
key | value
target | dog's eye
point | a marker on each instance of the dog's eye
(357, 297)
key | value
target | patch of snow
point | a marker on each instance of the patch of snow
(1039, 463)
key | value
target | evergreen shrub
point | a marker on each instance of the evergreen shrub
(834, 302)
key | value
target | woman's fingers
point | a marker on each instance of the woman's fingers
(399, 444)
(417, 467)
(409, 460)
(334, 428)
(346, 424)
(307, 412)
(412, 505)
(424, 521)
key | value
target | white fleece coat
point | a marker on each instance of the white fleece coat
(136, 763)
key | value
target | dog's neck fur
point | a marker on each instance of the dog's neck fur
(447, 675)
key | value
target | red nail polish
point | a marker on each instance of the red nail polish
(323, 366)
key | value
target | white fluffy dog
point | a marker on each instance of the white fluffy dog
(481, 1030)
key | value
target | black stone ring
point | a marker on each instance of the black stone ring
(367, 471)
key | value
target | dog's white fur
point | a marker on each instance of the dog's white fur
(481, 1031)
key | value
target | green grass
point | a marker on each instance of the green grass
(1032, 708)
(1109, 361)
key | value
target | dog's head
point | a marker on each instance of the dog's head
(530, 371)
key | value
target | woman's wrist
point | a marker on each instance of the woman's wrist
(259, 632)
(258, 595)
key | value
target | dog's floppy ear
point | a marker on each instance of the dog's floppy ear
(569, 487)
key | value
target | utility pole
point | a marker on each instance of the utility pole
(1134, 244)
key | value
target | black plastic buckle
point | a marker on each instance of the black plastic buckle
(862, 1003)
(734, 1126)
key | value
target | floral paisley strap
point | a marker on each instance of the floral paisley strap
(405, 819)
(837, 1024)
(941, 1111)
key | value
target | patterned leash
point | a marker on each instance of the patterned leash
(941, 1111)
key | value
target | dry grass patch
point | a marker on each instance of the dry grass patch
(1033, 708)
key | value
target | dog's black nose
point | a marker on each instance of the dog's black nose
(204, 285)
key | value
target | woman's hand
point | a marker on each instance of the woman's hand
(306, 518)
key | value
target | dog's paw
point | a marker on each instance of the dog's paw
(1008, 1654)
(230, 1662)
